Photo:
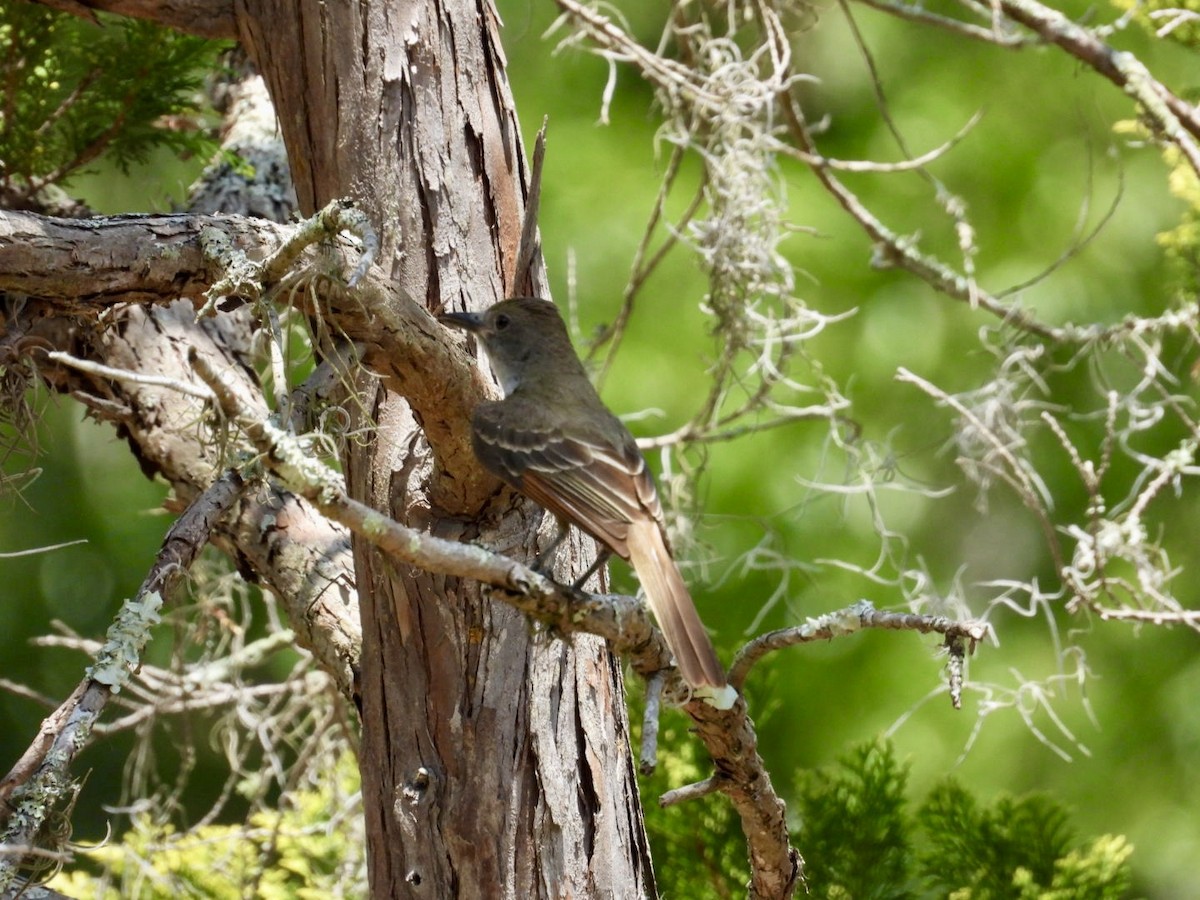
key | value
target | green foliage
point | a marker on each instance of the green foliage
(698, 847)
(1175, 20)
(301, 852)
(1182, 243)
(854, 829)
(73, 91)
(860, 841)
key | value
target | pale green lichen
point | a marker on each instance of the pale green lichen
(126, 637)
(374, 526)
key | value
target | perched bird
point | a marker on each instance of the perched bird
(553, 439)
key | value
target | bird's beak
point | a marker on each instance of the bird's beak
(471, 322)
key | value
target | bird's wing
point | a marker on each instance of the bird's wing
(594, 476)
(587, 477)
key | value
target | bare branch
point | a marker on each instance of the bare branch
(776, 867)
(849, 621)
(41, 776)
(522, 279)
(916, 13)
(94, 368)
(206, 18)
(243, 278)
(1176, 119)
(33, 551)
(897, 250)
(690, 792)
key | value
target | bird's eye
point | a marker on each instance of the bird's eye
(501, 322)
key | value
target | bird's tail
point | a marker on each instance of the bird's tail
(672, 606)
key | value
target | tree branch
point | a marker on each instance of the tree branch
(1178, 120)
(41, 776)
(84, 266)
(848, 621)
(206, 18)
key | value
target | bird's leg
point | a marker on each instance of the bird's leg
(548, 554)
(602, 555)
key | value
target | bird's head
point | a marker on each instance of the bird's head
(519, 335)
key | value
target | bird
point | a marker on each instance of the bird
(552, 439)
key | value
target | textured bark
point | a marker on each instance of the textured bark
(495, 762)
(147, 259)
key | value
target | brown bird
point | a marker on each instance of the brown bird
(553, 439)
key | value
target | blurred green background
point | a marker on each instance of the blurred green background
(1042, 159)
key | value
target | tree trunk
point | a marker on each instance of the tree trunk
(495, 760)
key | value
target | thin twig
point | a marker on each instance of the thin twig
(862, 165)
(35, 551)
(918, 14)
(648, 758)
(690, 792)
(1178, 120)
(892, 249)
(641, 268)
(522, 279)
(127, 376)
